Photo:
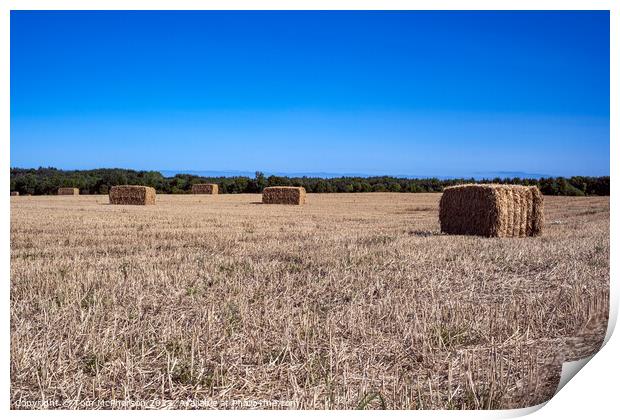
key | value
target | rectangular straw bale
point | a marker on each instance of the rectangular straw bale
(284, 195)
(68, 191)
(205, 189)
(132, 194)
(14, 193)
(491, 210)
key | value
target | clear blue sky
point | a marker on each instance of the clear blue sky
(418, 93)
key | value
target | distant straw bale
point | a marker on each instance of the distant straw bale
(132, 194)
(284, 195)
(491, 210)
(204, 189)
(14, 193)
(68, 191)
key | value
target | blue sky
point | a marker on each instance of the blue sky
(409, 93)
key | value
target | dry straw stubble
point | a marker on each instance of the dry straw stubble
(205, 189)
(284, 195)
(350, 304)
(491, 210)
(132, 194)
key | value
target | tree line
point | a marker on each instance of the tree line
(45, 181)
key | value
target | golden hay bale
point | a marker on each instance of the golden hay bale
(132, 194)
(14, 193)
(204, 189)
(491, 210)
(68, 191)
(284, 195)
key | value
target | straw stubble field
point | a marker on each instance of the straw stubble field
(351, 301)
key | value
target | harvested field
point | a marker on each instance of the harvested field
(491, 210)
(204, 189)
(68, 191)
(132, 195)
(353, 300)
(284, 195)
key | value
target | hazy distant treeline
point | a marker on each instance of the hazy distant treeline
(98, 181)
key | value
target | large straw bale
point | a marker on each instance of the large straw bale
(132, 194)
(68, 191)
(204, 189)
(284, 195)
(14, 193)
(491, 210)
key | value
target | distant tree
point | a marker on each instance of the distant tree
(98, 181)
(261, 182)
(394, 187)
(379, 188)
(321, 187)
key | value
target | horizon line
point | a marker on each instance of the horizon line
(206, 173)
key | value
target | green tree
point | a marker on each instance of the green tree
(261, 182)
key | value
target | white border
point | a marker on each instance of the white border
(591, 393)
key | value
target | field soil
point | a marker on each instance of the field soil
(350, 301)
